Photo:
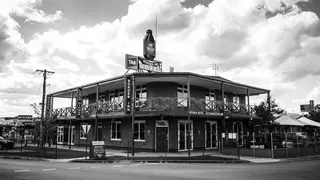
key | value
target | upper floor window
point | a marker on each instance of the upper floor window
(209, 99)
(85, 101)
(236, 101)
(141, 93)
(102, 98)
(182, 95)
(116, 98)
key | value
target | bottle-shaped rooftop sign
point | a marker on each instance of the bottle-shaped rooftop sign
(149, 46)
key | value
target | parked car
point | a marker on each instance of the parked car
(6, 144)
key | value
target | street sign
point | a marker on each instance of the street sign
(86, 128)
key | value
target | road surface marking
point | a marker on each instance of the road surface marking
(135, 164)
(26, 170)
(152, 163)
(94, 167)
(53, 169)
(74, 168)
(117, 166)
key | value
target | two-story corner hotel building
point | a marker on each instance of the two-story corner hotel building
(163, 105)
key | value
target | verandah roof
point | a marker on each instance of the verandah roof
(179, 77)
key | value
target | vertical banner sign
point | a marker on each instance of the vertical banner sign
(133, 94)
(128, 92)
(79, 102)
(48, 107)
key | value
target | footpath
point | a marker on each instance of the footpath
(77, 155)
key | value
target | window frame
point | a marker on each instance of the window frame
(116, 123)
(118, 98)
(139, 130)
(211, 94)
(141, 91)
(182, 101)
(82, 132)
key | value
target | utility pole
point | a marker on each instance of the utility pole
(44, 72)
(215, 67)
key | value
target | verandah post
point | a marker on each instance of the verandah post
(133, 105)
(96, 113)
(222, 126)
(189, 121)
(70, 129)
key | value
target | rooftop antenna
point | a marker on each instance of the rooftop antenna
(215, 67)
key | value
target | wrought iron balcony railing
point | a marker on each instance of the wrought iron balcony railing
(90, 109)
(169, 104)
(196, 105)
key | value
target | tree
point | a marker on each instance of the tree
(315, 114)
(268, 117)
(49, 126)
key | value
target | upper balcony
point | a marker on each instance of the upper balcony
(163, 92)
(159, 105)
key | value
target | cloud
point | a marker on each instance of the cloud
(258, 42)
(29, 10)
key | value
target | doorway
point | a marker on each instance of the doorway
(72, 133)
(60, 135)
(162, 136)
(183, 139)
(100, 132)
(211, 135)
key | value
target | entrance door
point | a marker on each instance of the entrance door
(60, 135)
(100, 132)
(66, 135)
(162, 139)
(183, 139)
(240, 133)
(162, 136)
(72, 134)
(211, 134)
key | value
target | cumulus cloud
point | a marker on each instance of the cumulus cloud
(266, 43)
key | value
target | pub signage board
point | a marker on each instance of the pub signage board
(98, 149)
(79, 102)
(48, 107)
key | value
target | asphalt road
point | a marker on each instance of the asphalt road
(40, 170)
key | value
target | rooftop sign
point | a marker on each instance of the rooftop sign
(146, 63)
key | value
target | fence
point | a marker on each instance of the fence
(280, 145)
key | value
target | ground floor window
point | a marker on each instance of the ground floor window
(116, 130)
(183, 135)
(83, 134)
(139, 130)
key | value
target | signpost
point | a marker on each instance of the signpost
(86, 128)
